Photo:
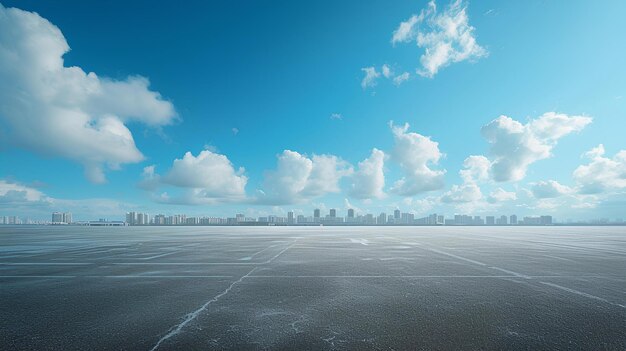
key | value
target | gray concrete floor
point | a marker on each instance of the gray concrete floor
(70, 288)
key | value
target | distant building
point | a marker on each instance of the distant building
(513, 220)
(396, 214)
(490, 220)
(350, 213)
(503, 220)
(290, 218)
(60, 218)
(382, 218)
(545, 220)
(333, 213)
(316, 213)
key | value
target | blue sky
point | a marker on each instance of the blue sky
(246, 81)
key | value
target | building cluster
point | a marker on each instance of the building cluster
(62, 218)
(396, 218)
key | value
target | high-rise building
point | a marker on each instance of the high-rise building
(490, 220)
(240, 217)
(396, 214)
(350, 213)
(333, 213)
(545, 220)
(290, 218)
(61, 217)
(513, 220)
(316, 213)
(382, 218)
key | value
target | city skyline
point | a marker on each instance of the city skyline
(317, 217)
(434, 107)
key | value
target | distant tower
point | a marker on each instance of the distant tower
(396, 214)
(513, 220)
(290, 219)
(333, 213)
(350, 213)
(316, 213)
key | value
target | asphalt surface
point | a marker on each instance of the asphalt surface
(205, 288)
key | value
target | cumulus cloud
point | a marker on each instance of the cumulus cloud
(204, 179)
(475, 169)
(371, 75)
(549, 189)
(515, 146)
(500, 195)
(602, 174)
(298, 178)
(406, 31)
(446, 37)
(62, 111)
(12, 193)
(401, 78)
(469, 192)
(369, 179)
(416, 154)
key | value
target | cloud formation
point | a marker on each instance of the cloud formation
(446, 37)
(368, 181)
(205, 179)
(298, 178)
(371, 75)
(60, 111)
(602, 174)
(515, 146)
(416, 154)
(549, 189)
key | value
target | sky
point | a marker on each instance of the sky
(215, 108)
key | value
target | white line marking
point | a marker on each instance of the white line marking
(191, 316)
(510, 272)
(457, 257)
(161, 255)
(582, 294)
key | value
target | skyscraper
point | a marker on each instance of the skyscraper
(290, 218)
(396, 214)
(333, 213)
(490, 220)
(513, 220)
(350, 213)
(316, 214)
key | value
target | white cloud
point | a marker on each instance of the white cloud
(11, 193)
(416, 154)
(336, 116)
(500, 195)
(299, 178)
(446, 37)
(63, 111)
(401, 78)
(465, 193)
(602, 174)
(549, 189)
(212, 174)
(475, 169)
(208, 178)
(515, 146)
(369, 179)
(387, 71)
(371, 75)
(235, 131)
(406, 31)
